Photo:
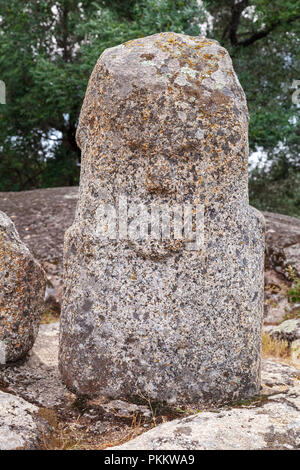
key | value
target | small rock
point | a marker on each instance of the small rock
(288, 330)
(37, 378)
(276, 304)
(282, 243)
(22, 288)
(278, 376)
(20, 425)
(126, 409)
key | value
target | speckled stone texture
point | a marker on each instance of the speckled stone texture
(164, 121)
(271, 422)
(22, 289)
(21, 426)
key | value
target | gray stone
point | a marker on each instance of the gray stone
(278, 377)
(276, 305)
(164, 122)
(295, 351)
(289, 330)
(272, 423)
(282, 242)
(124, 409)
(20, 424)
(22, 288)
(37, 378)
(41, 217)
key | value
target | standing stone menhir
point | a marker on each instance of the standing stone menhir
(151, 309)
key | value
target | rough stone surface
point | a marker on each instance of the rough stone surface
(125, 409)
(22, 289)
(288, 330)
(164, 121)
(295, 351)
(41, 217)
(20, 425)
(282, 242)
(37, 379)
(277, 305)
(269, 423)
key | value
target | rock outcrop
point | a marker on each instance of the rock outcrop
(37, 379)
(22, 289)
(282, 243)
(270, 422)
(288, 330)
(41, 217)
(21, 427)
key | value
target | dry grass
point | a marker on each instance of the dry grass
(49, 316)
(135, 430)
(65, 438)
(71, 436)
(274, 348)
(75, 432)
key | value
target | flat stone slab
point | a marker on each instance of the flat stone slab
(272, 423)
(20, 425)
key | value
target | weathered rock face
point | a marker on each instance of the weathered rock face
(277, 304)
(282, 243)
(22, 288)
(37, 379)
(268, 423)
(41, 217)
(288, 330)
(164, 123)
(21, 427)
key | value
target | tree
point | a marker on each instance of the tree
(47, 51)
(39, 64)
(263, 39)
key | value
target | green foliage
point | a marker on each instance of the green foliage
(276, 189)
(294, 292)
(267, 68)
(48, 49)
(146, 17)
(47, 52)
